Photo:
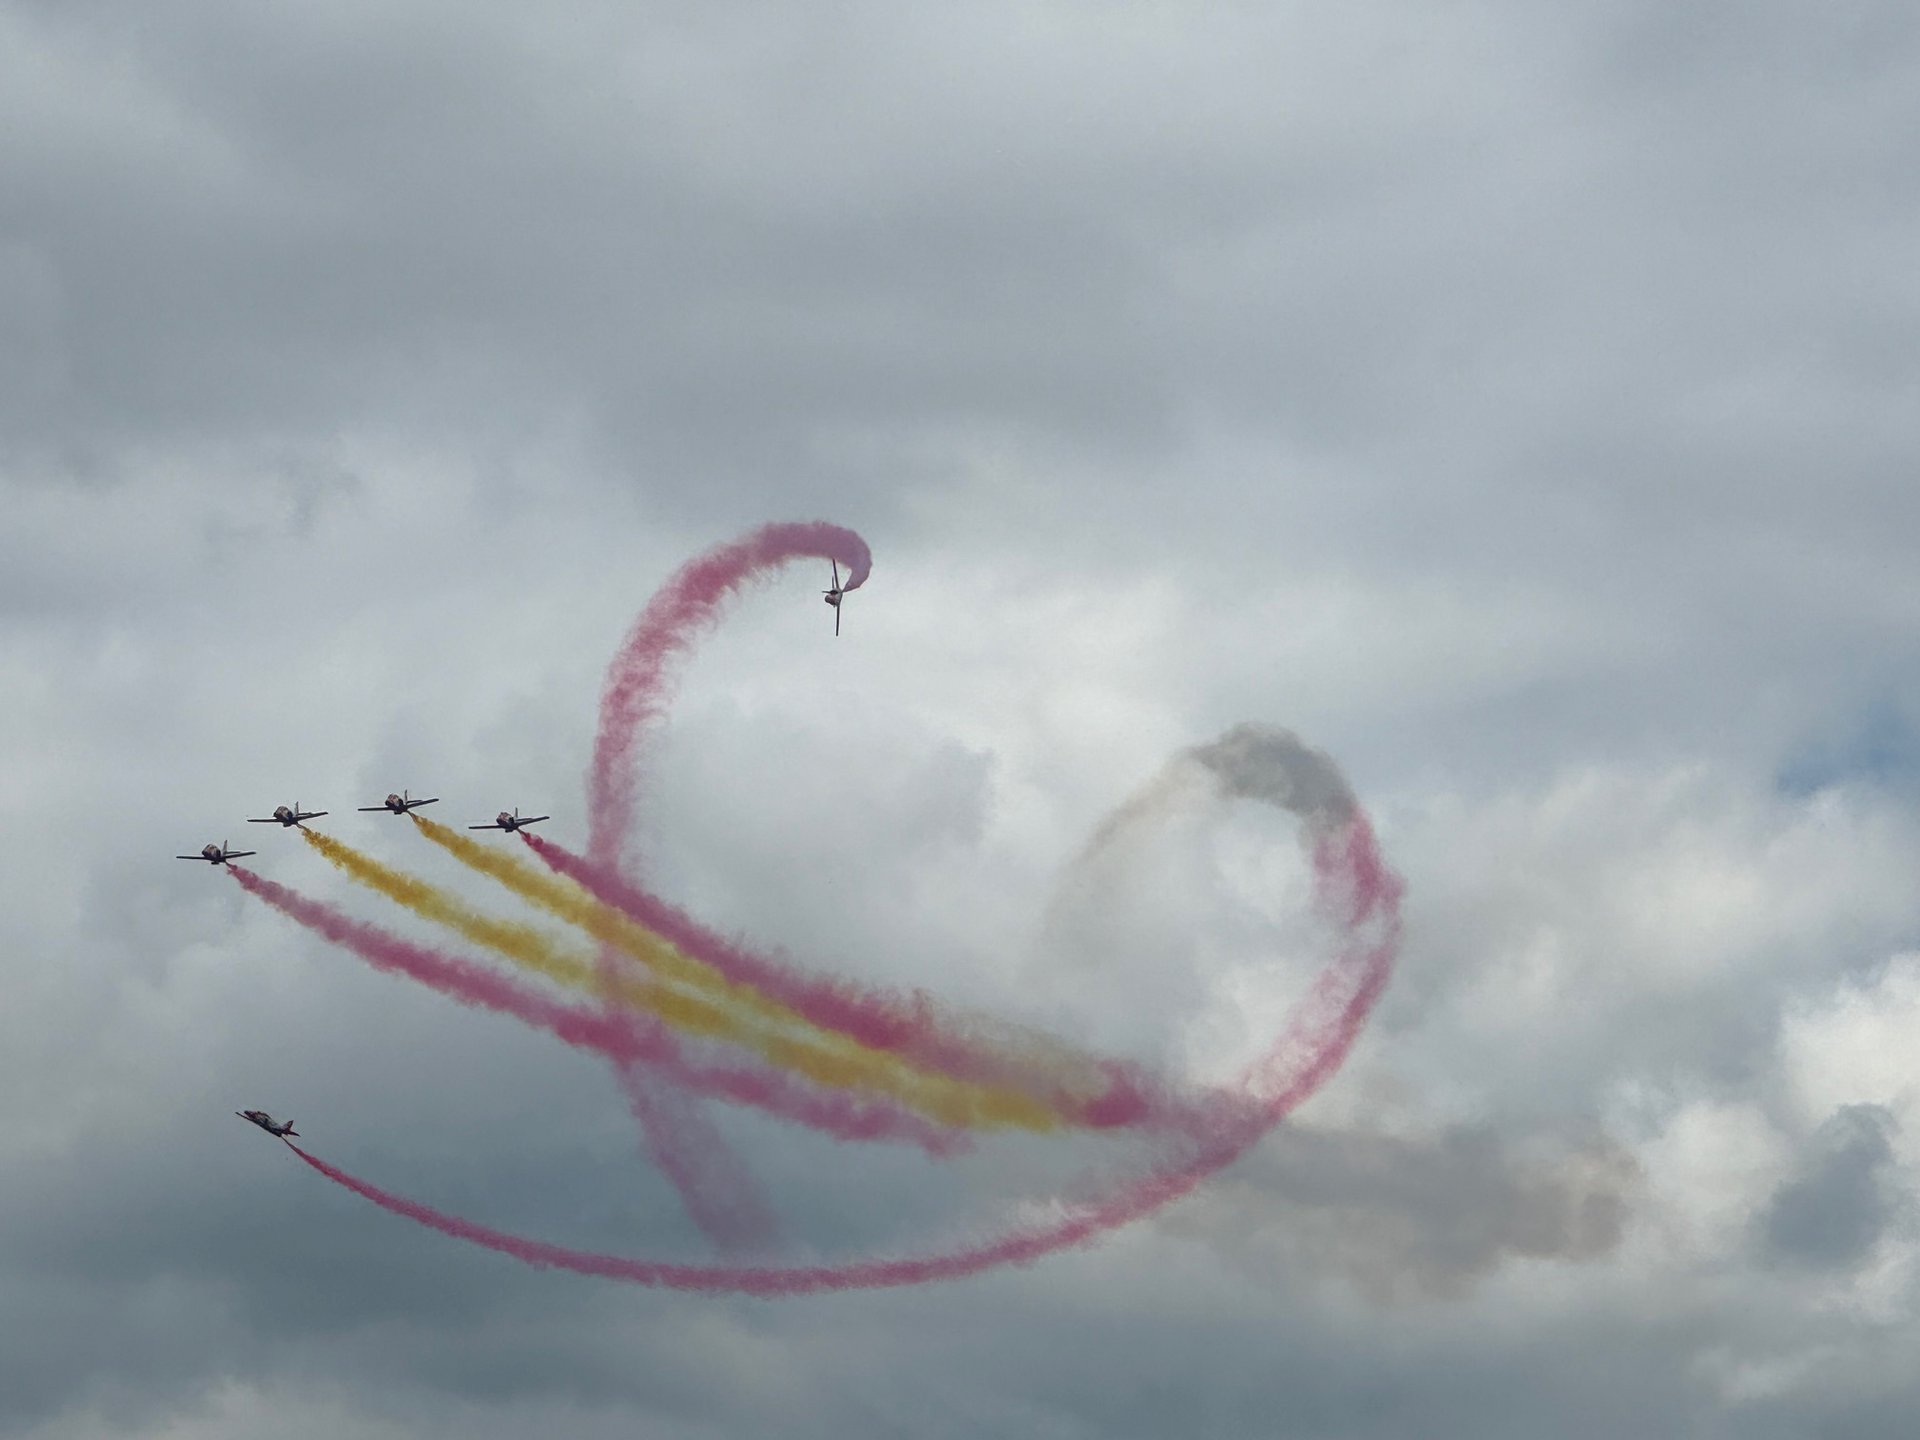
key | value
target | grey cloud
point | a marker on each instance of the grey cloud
(464, 206)
(1500, 397)
(1428, 1216)
(1251, 761)
(1265, 762)
(1833, 1212)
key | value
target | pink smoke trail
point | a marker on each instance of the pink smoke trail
(716, 1188)
(707, 1175)
(907, 1026)
(1347, 866)
(635, 695)
(638, 683)
(730, 1224)
(843, 1117)
(1351, 884)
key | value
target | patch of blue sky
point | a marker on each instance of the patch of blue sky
(1879, 746)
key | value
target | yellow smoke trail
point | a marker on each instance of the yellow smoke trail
(560, 897)
(854, 1066)
(829, 1060)
(524, 945)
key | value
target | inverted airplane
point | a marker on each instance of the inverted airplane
(835, 595)
(217, 854)
(286, 815)
(281, 1128)
(398, 804)
(504, 821)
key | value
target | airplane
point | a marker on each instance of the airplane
(284, 816)
(398, 804)
(217, 854)
(835, 595)
(504, 821)
(281, 1128)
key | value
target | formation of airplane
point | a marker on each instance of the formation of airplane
(504, 821)
(217, 854)
(286, 815)
(399, 804)
(293, 815)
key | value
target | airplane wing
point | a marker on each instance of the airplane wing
(313, 815)
(191, 857)
(368, 809)
(240, 854)
(495, 826)
(411, 804)
(529, 819)
(269, 820)
(836, 619)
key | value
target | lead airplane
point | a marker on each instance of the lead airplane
(835, 595)
(504, 821)
(217, 854)
(398, 804)
(285, 815)
(281, 1128)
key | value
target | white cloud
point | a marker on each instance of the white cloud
(1854, 1046)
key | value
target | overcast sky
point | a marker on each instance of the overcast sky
(1520, 402)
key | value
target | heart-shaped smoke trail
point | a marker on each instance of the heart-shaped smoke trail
(1353, 886)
